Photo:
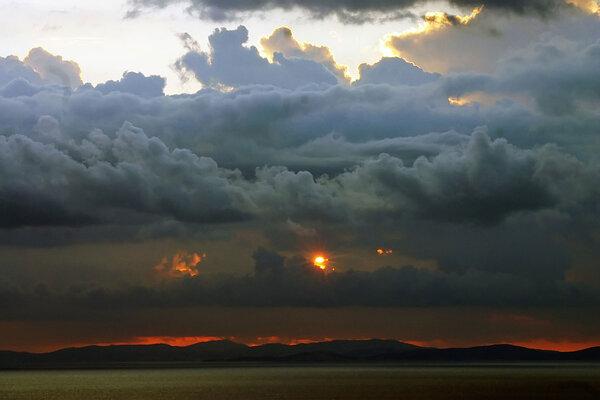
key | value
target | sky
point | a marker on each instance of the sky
(295, 170)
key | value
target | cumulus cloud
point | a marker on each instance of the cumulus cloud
(136, 178)
(489, 38)
(135, 83)
(346, 10)
(104, 180)
(574, 75)
(38, 68)
(394, 71)
(53, 69)
(229, 63)
(12, 68)
(282, 41)
(180, 265)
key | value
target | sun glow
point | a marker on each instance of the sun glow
(384, 252)
(590, 6)
(182, 264)
(458, 101)
(321, 262)
(432, 20)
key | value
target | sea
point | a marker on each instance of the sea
(268, 381)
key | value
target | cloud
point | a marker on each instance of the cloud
(574, 76)
(278, 281)
(499, 194)
(38, 68)
(12, 68)
(488, 38)
(104, 180)
(230, 64)
(53, 69)
(347, 11)
(282, 41)
(182, 264)
(389, 152)
(135, 83)
(135, 179)
(394, 71)
(19, 87)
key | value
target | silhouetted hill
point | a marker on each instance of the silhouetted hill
(592, 353)
(331, 351)
(348, 348)
(497, 352)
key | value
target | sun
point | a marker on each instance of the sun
(320, 262)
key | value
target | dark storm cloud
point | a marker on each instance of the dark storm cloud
(497, 200)
(346, 10)
(101, 179)
(279, 282)
(483, 182)
(75, 162)
(229, 63)
(133, 178)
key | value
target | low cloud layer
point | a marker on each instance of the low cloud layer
(133, 178)
(280, 282)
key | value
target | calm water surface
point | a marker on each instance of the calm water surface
(307, 382)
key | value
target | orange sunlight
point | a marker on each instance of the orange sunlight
(433, 20)
(322, 263)
(384, 252)
(589, 6)
(182, 264)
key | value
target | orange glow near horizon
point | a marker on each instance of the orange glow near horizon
(178, 341)
(538, 344)
(182, 341)
(544, 344)
(281, 340)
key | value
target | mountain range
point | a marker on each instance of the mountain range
(336, 351)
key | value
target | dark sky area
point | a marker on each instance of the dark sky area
(452, 190)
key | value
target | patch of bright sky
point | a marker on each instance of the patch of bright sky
(96, 35)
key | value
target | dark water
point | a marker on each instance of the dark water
(307, 382)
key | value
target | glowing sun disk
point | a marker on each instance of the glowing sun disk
(320, 262)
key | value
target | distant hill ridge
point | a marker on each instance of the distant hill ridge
(374, 350)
